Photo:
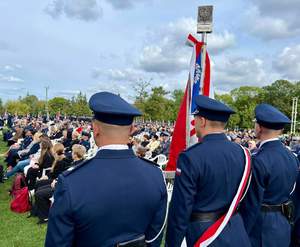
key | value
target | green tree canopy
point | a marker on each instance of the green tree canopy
(33, 102)
(17, 107)
(79, 106)
(59, 104)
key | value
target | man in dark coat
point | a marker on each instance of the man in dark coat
(207, 178)
(275, 169)
(115, 198)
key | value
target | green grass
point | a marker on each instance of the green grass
(15, 229)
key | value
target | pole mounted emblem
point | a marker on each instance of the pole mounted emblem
(205, 19)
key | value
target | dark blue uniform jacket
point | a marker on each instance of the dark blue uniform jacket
(275, 170)
(112, 198)
(211, 172)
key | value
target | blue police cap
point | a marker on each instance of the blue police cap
(112, 109)
(212, 109)
(270, 117)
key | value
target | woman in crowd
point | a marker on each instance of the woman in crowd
(43, 193)
(32, 148)
(60, 164)
(66, 138)
(75, 140)
(153, 145)
(45, 161)
(18, 135)
(145, 141)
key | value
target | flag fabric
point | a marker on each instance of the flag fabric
(184, 134)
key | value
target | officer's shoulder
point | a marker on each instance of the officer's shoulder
(149, 162)
(76, 168)
(193, 147)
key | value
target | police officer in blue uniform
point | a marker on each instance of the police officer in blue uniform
(267, 208)
(207, 178)
(115, 198)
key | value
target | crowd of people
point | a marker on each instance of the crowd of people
(42, 149)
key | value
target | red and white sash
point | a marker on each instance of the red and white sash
(215, 229)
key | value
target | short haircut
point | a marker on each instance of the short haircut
(217, 124)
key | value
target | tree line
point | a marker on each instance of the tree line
(244, 99)
(30, 104)
(158, 104)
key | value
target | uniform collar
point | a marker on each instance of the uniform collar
(115, 154)
(268, 140)
(215, 136)
(113, 147)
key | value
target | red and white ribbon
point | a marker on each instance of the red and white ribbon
(215, 229)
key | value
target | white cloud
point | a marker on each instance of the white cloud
(271, 28)
(87, 10)
(167, 51)
(124, 75)
(122, 88)
(217, 43)
(124, 4)
(127, 74)
(288, 63)
(12, 67)
(159, 59)
(66, 93)
(285, 9)
(13, 91)
(272, 19)
(229, 73)
(5, 78)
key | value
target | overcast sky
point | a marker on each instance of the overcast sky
(93, 45)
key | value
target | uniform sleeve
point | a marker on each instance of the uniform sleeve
(251, 205)
(182, 202)
(158, 219)
(296, 201)
(60, 232)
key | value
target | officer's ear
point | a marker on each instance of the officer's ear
(96, 128)
(200, 121)
(203, 122)
(132, 129)
(258, 129)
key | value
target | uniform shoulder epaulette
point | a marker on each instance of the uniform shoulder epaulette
(149, 161)
(75, 168)
(193, 146)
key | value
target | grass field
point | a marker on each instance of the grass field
(15, 229)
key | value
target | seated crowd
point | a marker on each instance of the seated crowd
(42, 150)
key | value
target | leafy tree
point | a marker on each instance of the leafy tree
(157, 105)
(245, 100)
(141, 92)
(59, 104)
(227, 99)
(177, 97)
(1, 107)
(33, 102)
(280, 94)
(17, 107)
(79, 106)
